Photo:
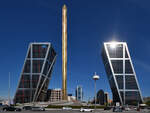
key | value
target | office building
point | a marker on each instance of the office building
(71, 98)
(120, 73)
(100, 97)
(54, 95)
(106, 97)
(36, 73)
(79, 93)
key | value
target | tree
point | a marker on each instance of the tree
(148, 103)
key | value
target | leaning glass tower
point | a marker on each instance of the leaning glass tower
(121, 74)
(36, 73)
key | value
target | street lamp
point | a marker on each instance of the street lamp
(95, 77)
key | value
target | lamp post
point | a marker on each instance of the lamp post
(95, 77)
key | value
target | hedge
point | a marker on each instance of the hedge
(74, 107)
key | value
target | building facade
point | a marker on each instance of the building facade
(100, 97)
(120, 73)
(54, 95)
(71, 98)
(79, 93)
(106, 98)
(36, 73)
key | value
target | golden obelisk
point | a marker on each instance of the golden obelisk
(64, 53)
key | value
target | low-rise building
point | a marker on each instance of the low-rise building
(106, 97)
(54, 95)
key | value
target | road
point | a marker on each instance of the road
(73, 111)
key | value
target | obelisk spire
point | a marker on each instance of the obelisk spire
(64, 53)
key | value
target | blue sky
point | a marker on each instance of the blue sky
(90, 23)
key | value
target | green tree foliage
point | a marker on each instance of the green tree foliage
(148, 103)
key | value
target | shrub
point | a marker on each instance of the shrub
(148, 103)
(74, 107)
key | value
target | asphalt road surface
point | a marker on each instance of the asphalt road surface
(75, 111)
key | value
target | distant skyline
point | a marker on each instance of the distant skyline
(89, 25)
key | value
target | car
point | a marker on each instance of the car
(1, 107)
(146, 110)
(38, 109)
(27, 108)
(67, 108)
(86, 109)
(11, 108)
(107, 108)
(117, 109)
(127, 109)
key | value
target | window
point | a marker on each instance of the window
(46, 67)
(39, 51)
(122, 95)
(23, 96)
(117, 66)
(116, 52)
(130, 82)
(119, 79)
(29, 53)
(108, 70)
(128, 67)
(37, 66)
(104, 57)
(27, 67)
(25, 81)
(126, 54)
(51, 55)
(132, 97)
(35, 79)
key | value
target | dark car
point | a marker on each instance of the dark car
(107, 108)
(117, 109)
(1, 107)
(27, 108)
(11, 108)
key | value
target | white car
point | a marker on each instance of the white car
(86, 109)
(38, 109)
(127, 109)
(67, 108)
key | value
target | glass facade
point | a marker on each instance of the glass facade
(120, 73)
(100, 97)
(36, 73)
(117, 66)
(79, 93)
